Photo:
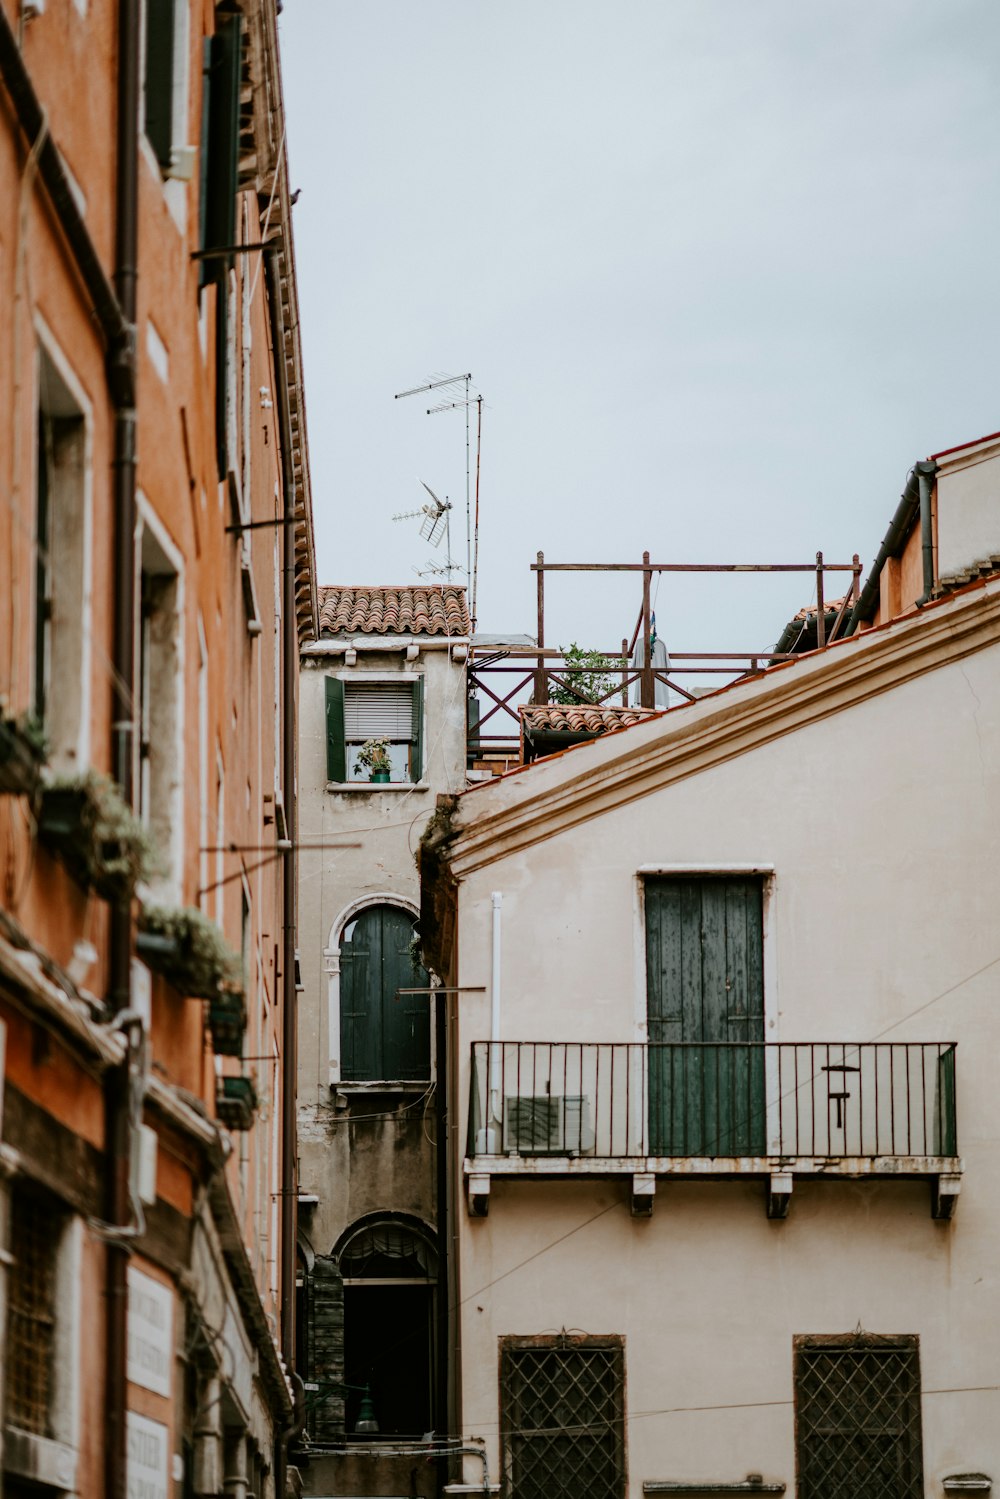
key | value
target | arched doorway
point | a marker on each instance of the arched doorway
(385, 1036)
(389, 1270)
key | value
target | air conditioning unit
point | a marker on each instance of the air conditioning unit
(547, 1124)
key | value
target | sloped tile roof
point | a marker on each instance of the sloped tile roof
(436, 610)
(585, 718)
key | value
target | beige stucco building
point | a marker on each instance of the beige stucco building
(726, 1188)
(388, 665)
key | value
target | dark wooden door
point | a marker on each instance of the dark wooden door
(705, 1008)
(384, 1035)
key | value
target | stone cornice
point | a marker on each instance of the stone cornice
(530, 806)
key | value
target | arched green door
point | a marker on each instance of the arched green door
(384, 1035)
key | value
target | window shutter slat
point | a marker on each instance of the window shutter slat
(378, 711)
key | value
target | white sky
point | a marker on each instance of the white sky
(722, 269)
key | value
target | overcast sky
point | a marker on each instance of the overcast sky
(721, 269)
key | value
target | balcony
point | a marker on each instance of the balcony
(771, 1110)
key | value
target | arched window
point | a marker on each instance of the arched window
(385, 1036)
(389, 1271)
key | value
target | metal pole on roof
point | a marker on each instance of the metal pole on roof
(820, 604)
(646, 692)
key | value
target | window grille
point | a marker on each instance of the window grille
(562, 1412)
(35, 1230)
(378, 710)
(857, 1410)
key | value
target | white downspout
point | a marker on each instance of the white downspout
(496, 901)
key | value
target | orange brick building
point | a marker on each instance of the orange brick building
(156, 577)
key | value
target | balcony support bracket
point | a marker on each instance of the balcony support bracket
(478, 1195)
(945, 1188)
(643, 1194)
(779, 1194)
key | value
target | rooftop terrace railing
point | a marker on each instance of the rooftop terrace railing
(621, 1101)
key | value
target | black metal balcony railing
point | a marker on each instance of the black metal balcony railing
(619, 1101)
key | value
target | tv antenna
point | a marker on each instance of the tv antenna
(451, 386)
(435, 522)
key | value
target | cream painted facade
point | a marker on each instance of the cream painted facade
(367, 1148)
(862, 786)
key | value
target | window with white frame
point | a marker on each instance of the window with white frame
(160, 700)
(385, 712)
(61, 622)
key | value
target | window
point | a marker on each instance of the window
(857, 1417)
(389, 1273)
(35, 1228)
(383, 1034)
(562, 1404)
(705, 1009)
(60, 626)
(389, 709)
(166, 86)
(160, 697)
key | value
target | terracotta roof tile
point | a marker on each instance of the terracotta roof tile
(585, 718)
(439, 609)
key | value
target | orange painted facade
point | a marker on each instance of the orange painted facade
(220, 445)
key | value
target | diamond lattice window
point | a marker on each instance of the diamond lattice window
(857, 1408)
(562, 1411)
(31, 1292)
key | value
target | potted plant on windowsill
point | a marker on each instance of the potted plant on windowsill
(23, 751)
(373, 756)
(86, 823)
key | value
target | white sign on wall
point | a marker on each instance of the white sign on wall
(150, 1332)
(148, 1458)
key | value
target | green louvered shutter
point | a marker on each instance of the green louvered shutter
(336, 750)
(417, 756)
(160, 78)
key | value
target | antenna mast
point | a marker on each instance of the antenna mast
(471, 533)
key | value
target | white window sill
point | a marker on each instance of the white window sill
(373, 786)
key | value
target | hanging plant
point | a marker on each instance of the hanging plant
(23, 752)
(189, 950)
(87, 824)
(236, 1102)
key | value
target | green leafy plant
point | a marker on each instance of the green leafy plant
(373, 756)
(23, 751)
(87, 823)
(189, 950)
(587, 672)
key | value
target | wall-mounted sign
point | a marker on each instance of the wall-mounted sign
(148, 1458)
(150, 1332)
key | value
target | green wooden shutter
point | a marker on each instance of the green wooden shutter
(361, 998)
(705, 1006)
(406, 1032)
(417, 754)
(336, 749)
(160, 78)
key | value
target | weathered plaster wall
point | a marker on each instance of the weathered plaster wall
(881, 825)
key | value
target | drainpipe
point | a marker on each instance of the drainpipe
(288, 1185)
(122, 378)
(925, 479)
(496, 901)
(910, 501)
